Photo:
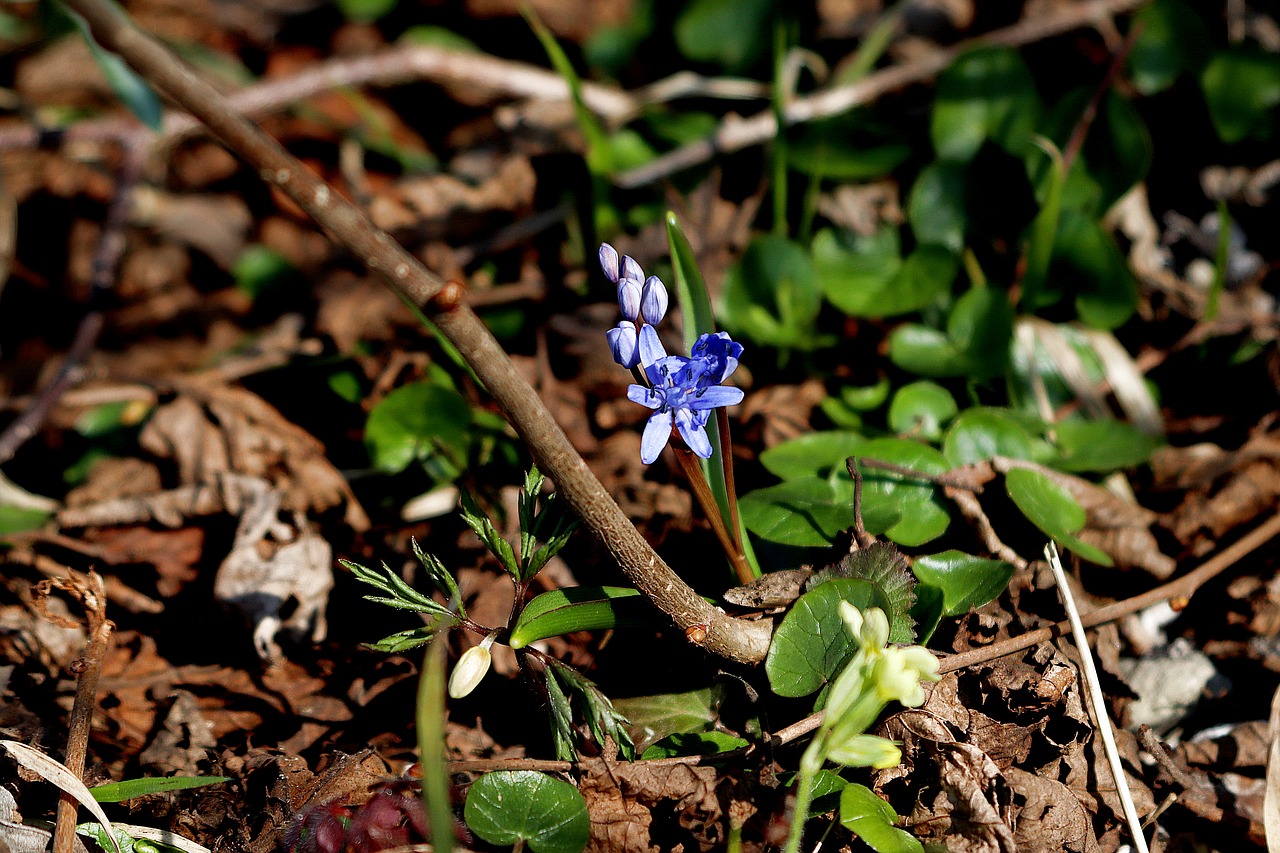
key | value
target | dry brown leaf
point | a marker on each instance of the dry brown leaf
(216, 225)
(432, 206)
(782, 412)
(621, 797)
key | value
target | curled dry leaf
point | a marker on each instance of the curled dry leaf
(621, 798)
(432, 206)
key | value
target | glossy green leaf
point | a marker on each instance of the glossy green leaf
(920, 516)
(1172, 40)
(927, 611)
(986, 94)
(807, 511)
(921, 410)
(656, 717)
(694, 743)
(813, 454)
(413, 422)
(1101, 445)
(865, 276)
(730, 33)
(872, 820)
(1052, 509)
(966, 581)
(771, 295)
(980, 433)
(579, 608)
(511, 806)
(936, 206)
(812, 645)
(1242, 88)
(117, 792)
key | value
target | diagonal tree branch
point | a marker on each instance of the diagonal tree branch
(443, 302)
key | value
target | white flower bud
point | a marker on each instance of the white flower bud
(471, 668)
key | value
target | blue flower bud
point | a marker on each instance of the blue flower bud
(609, 262)
(653, 301)
(624, 344)
(629, 298)
(631, 269)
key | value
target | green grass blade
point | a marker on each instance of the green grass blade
(115, 792)
(430, 725)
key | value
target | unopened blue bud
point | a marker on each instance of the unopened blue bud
(609, 262)
(631, 269)
(653, 301)
(623, 342)
(629, 298)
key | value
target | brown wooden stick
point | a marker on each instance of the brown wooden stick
(444, 304)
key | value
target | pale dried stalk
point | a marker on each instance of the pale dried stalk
(1101, 718)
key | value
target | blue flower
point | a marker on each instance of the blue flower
(653, 301)
(624, 344)
(684, 391)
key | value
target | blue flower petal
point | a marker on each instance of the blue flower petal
(714, 396)
(644, 396)
(692, 431)
(650, 347)
(656, 434)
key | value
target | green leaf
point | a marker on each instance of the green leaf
(921, 410)
(605, 721)
(882, 564)
(399, 594)
(927, 611)
(812, 645)
(1100, 446)
(1052, 509)
(976, 344)
(416, 422)
(1242, 88)
(812, 454)
(730, 33)
(19, 520)
(694, 743)
(579, 608)
(872, 820)
(513, 806)
(865, 275)
(365, 11)
(656, 717)
(771, 295)
(920, 517)
(430, 35)
(116, 792)
(1086, 260)
(980, 433)
(847, 147)
(492, 539)
(986, 94)
(261, 269)
(403, 641)
(936, 206)
(807, 511)
(132, 90)
(966, 581)
(1172, 40)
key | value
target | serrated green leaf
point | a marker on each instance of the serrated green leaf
(403, 641)
(883, 565)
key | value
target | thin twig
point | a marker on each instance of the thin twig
(737, 133)
(106, 259)
(1081, 130)
(1181, 588)
(955, 479)
(1102, 720)
(971, 508)
(444, 304)
(88, 669)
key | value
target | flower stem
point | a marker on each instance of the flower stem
(693, 470)
(726, 456)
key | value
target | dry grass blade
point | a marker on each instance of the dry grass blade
(1271, 801)
(1101, 719)
(53, 771)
